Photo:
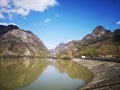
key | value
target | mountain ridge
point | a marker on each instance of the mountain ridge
(92, 45)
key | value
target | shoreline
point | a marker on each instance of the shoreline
(106, 74)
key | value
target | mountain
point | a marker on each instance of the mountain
(59, 47)
(18, 43)
(100, 43)
(53, 52)
(99, 33)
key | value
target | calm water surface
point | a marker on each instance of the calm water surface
(35, 74)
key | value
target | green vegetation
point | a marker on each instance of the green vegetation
(104, 50)
(65, 55)
(100, 49)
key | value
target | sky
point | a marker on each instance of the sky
(57, 21)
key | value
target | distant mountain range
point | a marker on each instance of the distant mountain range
(57, 49)
(16, 42)
(100, 43)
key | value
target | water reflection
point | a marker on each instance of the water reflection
(35, 74)
(20, 73)
(75, 71)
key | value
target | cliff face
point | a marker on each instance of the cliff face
(100, 43)
(17, 42)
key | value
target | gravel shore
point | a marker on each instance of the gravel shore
(106, 74)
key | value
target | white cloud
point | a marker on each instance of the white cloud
(4, 23)
(1, 16)
(47, 20)
(10, 17)
(23, 7)
(36, 5)
(4, 3)
(118, 22)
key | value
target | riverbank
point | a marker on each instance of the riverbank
(106, 74)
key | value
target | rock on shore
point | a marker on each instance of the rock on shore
(106, 75)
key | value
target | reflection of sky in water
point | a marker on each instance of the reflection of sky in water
(52, 79)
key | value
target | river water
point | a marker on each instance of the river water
(36, 74)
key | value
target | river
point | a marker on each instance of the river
(42, 74)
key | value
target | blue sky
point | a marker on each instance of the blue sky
(56, 21)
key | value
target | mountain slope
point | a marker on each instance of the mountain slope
(17, 42)
(100, 43)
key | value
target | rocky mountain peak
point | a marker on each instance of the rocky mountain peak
(98, 33)
(117, 35)
(11, 27)
(99, 30)
(117, 31)
(4, 29)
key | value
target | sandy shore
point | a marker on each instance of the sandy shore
(106, 75)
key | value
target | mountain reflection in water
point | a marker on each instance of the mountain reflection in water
(75, 71)
(35, 74)
(20, 73)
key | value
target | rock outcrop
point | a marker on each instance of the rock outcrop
(99, 33)
(19, 43)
